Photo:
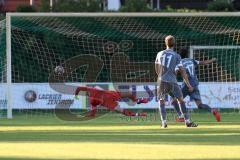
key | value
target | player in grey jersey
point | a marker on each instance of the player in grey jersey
(165, 65)
(190, 65)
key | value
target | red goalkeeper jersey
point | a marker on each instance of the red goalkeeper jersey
(100, 97)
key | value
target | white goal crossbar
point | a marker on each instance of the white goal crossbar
(132, 14)
(192, 48)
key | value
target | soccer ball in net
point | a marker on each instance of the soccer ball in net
(59, 70)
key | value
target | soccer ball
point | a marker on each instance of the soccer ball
(59, 70)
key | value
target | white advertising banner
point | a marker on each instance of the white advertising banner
(216, 95)
(42, 96)
(221, 95)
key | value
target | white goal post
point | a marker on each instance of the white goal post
(9, 66)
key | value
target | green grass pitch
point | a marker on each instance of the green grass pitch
(110, 137)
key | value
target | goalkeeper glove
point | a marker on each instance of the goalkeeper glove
(142, 100)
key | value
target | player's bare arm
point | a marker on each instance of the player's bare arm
(83, 89)
(207, 61)
(157, 70)
(185, 78)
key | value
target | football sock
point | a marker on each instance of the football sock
(163, 112)
(128, 112)
(176, 106)
(205, 106)
(184, 111)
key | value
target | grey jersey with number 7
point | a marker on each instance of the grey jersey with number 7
(168, 60)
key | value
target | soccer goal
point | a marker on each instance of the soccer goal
(71, 49)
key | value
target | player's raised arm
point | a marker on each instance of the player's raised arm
(81, 88)
(207, 61)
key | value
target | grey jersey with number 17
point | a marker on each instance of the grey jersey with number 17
(190, 65)
(168, 60)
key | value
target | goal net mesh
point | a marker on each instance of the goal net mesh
(2, 67)
(113, 49)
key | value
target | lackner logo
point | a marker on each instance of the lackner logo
(30, 96)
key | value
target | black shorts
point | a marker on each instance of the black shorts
(168, 88)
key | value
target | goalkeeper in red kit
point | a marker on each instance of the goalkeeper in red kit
(109, 99)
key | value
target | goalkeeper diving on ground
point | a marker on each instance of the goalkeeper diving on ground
(109, 100)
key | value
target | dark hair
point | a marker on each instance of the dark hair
(183, 52)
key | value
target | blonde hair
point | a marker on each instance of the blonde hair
(170, 41)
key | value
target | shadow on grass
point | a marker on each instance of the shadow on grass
(190, 137)
(112, 120)
(151, 135)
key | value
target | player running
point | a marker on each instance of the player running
(165, 64)
(109, 99)
(190, 65)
